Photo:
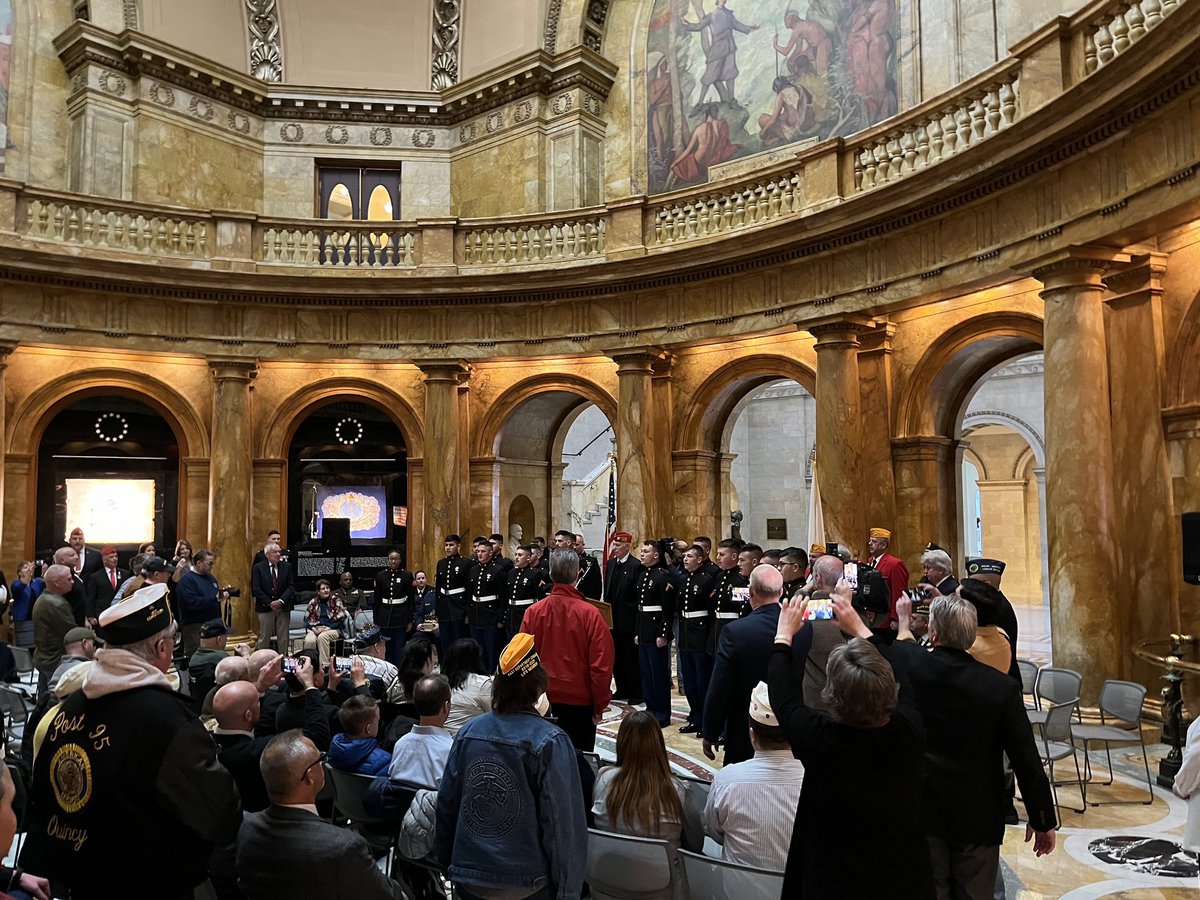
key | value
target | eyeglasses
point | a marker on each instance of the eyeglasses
(316, 762)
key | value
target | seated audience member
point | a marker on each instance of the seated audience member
(202, 667)
(470, 687)
(236, 708)
(992, 645)
(323, 621)
(371, 645)
(751, 806)
(639, 795)
(870, 717)
(227, 671)
(419, 658)
(79, 646)
(287, 850)
(419, 757)
(357, 748)
(530, 837)
(291, 713)
(1187, 786)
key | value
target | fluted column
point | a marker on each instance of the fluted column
(1146, 569)
(1086, 626)
(636, 470)
(441, 513)
(11, 542)
(839, 457)
(229, 495)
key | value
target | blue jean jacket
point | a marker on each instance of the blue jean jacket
(510, 808)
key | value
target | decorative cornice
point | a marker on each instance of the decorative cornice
(266, 51)
(446, 17)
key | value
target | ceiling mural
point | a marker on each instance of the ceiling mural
(731, 78)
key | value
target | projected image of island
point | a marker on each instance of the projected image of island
(364, 506)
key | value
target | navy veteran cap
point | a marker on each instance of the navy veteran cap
(142, 614)
(369, 638)
(158, 564)
(983, 566)
(213, 628)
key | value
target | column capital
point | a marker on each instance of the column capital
(1079, 266)
(877, 339)
(639, 360)
(7, 347)
(1138, 281)
(456, 371)
(233, 368)
(927, 447)
(839, 332)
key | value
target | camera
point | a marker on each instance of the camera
(231, 591)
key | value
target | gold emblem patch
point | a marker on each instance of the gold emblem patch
(71, 777)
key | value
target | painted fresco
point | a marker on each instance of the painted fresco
(6, 36)
(730, 78)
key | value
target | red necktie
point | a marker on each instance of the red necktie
(112, 576)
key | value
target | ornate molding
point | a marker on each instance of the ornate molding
(129, 9)
(550, 36)
(446, 17)
(266, 51)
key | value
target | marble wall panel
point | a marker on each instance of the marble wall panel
(215, 29)
(499, 179)
(424, 189)
(494, 33)
(187, 167)
(289, 185)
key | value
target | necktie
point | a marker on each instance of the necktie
(274, 581)
(112, 576)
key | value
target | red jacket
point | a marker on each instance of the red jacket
(575, 646)
(895, 573)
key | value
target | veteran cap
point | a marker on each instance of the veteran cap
(816, 550)
(213, 628)
(77, 634)
(105, 551)
(142, 614)
(622, 537)
(157, 564)
(983, 566)
(932, 546)
(881, 533)
(369, 638)
(920, 603)
(520, 656)
(760, 706)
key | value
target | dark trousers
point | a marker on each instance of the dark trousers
(448, 632)
(576, 721)
(656, 680)
(397, 638)
(696, 668)
(491, 639)
(963, 871)
(626, 669)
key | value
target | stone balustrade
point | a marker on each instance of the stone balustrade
(762, 199)
(550, 240)
(1116, 26)
(86, 222)
(304, 242)
(970, 117)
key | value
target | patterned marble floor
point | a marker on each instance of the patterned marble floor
(1073, 871)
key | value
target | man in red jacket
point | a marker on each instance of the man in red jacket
(576, 649)
(892, 568)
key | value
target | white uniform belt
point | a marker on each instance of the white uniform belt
(700, 613)
(393, 600)
(650, 609)
(523, 602)
(727, 615)
(488, 599)
(449, 592)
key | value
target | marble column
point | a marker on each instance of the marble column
(875, 394)
(193, 491)
(229, 494)
(557, 509)
(698, 493)
(1182, 425)
(662, 407)
(441, 513)
(8, 538)
(1145, 568)
(839, 460)
(484, 500)
(925, 498)
(636, 470)
(269, 483)
(1086, 625)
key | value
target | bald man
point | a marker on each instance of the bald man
(741, 664)
(236, 709)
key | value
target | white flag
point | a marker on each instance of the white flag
(816, 513)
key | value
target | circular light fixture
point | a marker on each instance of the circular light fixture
(348, 431)
(111, 427)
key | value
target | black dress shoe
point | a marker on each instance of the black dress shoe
(689, 728)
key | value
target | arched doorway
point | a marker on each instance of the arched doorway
(770, 435)
(346, 460)
(1003, 490)
(109, 464)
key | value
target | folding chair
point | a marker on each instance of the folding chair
(15, 706)
(349, 791)
(296, 630)
(24, 662)
(1054, 686)
(1123, 701)
(1058, 744)
(1029, 672)
(624, 867)
(715, 879)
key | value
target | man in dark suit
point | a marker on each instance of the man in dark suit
(973, 715)
(274, 592)
(935, 562)
(288, 850)
(68, 556)
(273, 537)
(100, 587)
(89, 557)
(741, 664)
(620, 593)
(589, 571)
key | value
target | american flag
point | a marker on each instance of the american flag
(610, 522)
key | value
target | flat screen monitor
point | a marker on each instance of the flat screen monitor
(110, 510)
(364, 505)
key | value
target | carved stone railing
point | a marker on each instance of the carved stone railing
(86, 222)
(304, 242)
(976, 111)
(552, 239)
(764, 198)
(1117, 26)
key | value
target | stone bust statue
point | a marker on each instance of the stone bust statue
(515, 535)
(735, 521)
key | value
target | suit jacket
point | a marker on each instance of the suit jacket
(741, 664)
(620, 592)
(289, 852)
(98, 591)
(973, 715)
(90, 561)
(589, 577)
(260, 583)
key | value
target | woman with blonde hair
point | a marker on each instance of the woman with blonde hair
(639, 795)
